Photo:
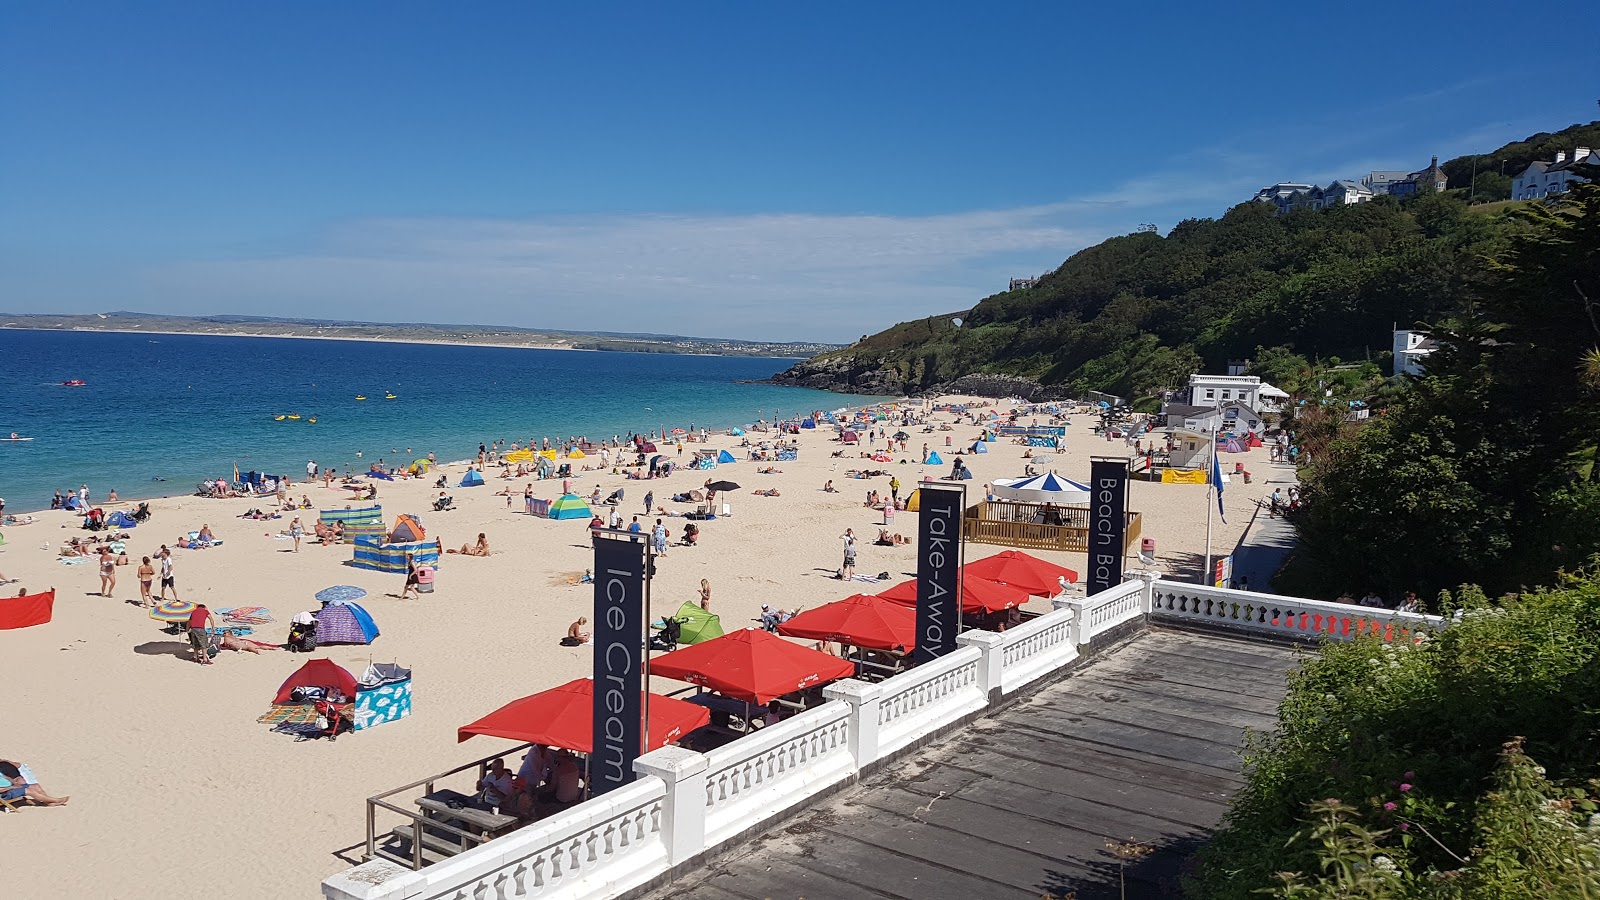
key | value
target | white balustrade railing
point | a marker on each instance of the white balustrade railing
(920, 702)
(777, 767)
(1284, 616)
(1036, 648)
(599, 848)
(1110, 608)
(686, 803)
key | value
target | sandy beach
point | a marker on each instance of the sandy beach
(178, 792)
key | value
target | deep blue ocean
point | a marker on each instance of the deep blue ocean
(184, 407)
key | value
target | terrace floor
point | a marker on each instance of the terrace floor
(1141, 745)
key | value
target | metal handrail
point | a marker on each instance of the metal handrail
(417, 819)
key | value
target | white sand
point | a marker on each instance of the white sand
(179, 792)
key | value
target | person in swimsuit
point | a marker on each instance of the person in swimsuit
(147, 574)
(296, 531)
(108, 572)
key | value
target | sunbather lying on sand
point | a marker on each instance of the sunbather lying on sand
(481, 548)
(227, 641)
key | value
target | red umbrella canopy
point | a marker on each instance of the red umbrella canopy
(564, 717)
(318, 673)
(751, 665)
(860, 620)
(1019, 570)
(978, 595)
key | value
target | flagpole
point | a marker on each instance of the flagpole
(1211, 477)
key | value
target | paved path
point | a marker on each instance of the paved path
(1268, 541)
(1139, 745)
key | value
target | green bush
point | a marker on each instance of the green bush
(1414, 752)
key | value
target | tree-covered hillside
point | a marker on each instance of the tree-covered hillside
(1139, 313)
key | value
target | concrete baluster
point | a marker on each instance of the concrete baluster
(990, 664)
(1147, 591)
(683, 820)
(1080, 620)
(863, 699)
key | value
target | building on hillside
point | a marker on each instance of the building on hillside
(1542, 179)
(1233, 415)
(1209, 391)
(1284, 195)
(1378, 181)
(1344, 193)
(1411, 349)
(1022, 284)
(1432, 177)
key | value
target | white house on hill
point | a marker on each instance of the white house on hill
(1541, 179)
(1211, 391)
(1411, 349)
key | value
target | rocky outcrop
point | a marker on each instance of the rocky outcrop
(1002, 386)
(845, 375)
(848, 374)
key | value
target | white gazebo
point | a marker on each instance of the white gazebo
(1046, 488)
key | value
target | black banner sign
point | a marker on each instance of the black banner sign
(938, 569)
(1108, 522)
(619, 651)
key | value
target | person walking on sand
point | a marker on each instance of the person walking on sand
(660, 534)
(410, 589)
(108, 572)
(894, 489)
(848, 570)
(147, 574)
(649, 501)
(296, 531)
(705, 595)
(166, 574)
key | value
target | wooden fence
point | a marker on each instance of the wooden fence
(1023, 525)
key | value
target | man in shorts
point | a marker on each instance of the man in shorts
(166, 574)
(199, 639)
(848, 570)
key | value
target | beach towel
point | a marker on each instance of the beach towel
(247, 615)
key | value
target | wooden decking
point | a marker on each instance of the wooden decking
(1141, 745)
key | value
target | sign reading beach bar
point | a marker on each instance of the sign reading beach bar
(938, 569)
(1108, 521)
(619, 565)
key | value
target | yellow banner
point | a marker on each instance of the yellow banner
(1183, 476)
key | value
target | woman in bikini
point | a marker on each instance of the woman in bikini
(479, 549)
(147, 576)
(108, 572)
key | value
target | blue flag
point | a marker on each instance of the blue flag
(1216, 479)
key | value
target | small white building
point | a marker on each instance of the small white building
(1211, 391)
(1411, 349)
(1542, 179)
(1188, 448)
(1233, 415)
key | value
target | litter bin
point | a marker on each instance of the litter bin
(424, 579)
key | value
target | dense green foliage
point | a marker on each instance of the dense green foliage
(1409, 770)
(1484, 471)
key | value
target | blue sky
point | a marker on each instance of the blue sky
(806, 172)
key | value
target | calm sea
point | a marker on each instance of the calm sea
(183, 407)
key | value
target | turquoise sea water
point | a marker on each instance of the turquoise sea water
(185, 407)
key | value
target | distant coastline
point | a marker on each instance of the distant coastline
(405, 333)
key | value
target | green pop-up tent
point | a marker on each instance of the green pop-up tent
(698, 625)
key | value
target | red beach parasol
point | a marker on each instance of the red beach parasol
(860, 620)
(564, 717)
(751, 665)
(1019, 570)
(978, 595)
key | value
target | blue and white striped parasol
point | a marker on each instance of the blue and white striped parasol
(341, 593)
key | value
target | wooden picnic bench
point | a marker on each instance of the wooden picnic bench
(439, 843)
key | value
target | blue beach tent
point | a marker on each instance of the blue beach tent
(724, 456)
(934, 459)
(345, 623)
(808, 423)
(472, 479)
(980, 447)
